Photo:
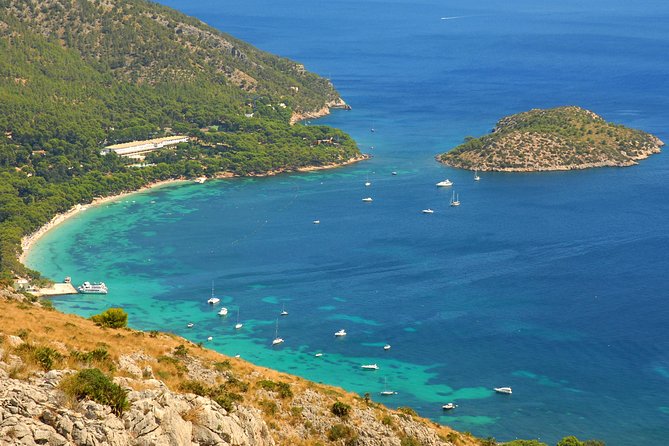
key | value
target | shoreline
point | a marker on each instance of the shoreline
(28, 241)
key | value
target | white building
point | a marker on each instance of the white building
(138, 149)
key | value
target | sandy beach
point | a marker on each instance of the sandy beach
(28, 241)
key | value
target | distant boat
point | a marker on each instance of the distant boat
(368, 199)
(393, 173)
(385, 391)
(367, 182)
(238, 325)
(341, 332)
(317, 222)
(476, 176)
(190, 325)
(455, 200)
(318, 355)
(505, 390)
(283, 311)
(428, 211)
(223, 311)
(370, 367)
(213, 300)
(200, 180)
(277, 339)
(92, 288)
(445, 183)
(386, 347)
(449, 406)
(210, 338)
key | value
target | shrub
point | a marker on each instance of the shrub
(283, 389)
(195, 387)
(111, 318)
(407, 411)
(46, 357)
(93, 384)
(341, 409)
(410, 441)
(180, 350)
(525, 443)
(342, 432)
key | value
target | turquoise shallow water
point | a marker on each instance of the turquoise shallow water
(554, 284)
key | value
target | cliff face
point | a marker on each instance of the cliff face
(177, 393)
(562, 138)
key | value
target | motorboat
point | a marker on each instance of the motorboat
(505, 390)
(445, 183)
(341, 332)
(449, 406)
(369, 367)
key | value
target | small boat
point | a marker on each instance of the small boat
(283, 311)
(367, 199)
(210, 338)
(341, 332)
(372, 130)
(393, 173)
(385, 391)
(455, 200)
(92, 288)
(386, 347)
(368, 183)
(318, 355)
(476, 176)
(200, 180)
(317, 222)
(277, 340)
(449, 406)
(428, 211)
(445, 183)
(505, 390)
(370, 367)
(223, 311)
(238, 325)
(190, 325)
(213, 300)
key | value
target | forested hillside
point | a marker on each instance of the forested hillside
(76, 75)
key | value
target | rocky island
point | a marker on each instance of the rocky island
(562, 138)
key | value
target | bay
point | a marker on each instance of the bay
(553, 283)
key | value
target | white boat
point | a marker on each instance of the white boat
(455, 200)
(210, 338)
(505, 390)
(317, 222)
(386, 347)
(368, 183)
(223, 311)
(283, 311)
(92, 288)
(385, 391)
(445, 183)
(213, 300)
(341, 332)
(238, 325)
(367, 199)
(318, 355)
(200, 180)
(370, 367)
(428, 211)
(277, 339)
(476, 176)
(449, 406)
(190, 325)
(394, 173)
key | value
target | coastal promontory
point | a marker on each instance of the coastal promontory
(562, 138)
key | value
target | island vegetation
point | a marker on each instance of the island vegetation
(561, 138)
(78, 75)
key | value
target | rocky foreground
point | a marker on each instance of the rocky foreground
(177, 393)
(562, 138)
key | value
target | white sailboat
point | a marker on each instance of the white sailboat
(277, 339)
(476, 175)
(455, 199)
(213, 300)
(238, 325)
(385, 391)
(283, 310)
(367, 182)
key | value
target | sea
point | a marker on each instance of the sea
(555, 284)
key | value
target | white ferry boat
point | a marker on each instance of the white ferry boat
(92, 288)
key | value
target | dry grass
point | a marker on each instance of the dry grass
(73, 333)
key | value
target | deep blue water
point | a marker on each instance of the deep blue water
(552, 283)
